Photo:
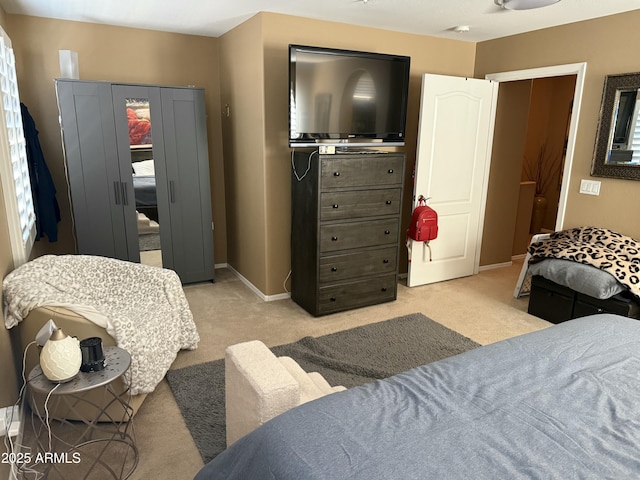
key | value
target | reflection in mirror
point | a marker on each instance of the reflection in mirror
(144, 180)
(617, 151)
(358, 107)
(364, 103)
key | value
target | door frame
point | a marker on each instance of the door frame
(579, 70)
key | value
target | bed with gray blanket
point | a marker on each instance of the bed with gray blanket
(560, 403)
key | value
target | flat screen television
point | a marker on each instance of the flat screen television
(346, 98)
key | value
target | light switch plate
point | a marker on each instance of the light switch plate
(590, 187)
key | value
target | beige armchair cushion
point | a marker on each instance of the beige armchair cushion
(260, 386)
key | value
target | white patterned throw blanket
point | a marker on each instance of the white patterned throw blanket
(143, 308)
(602, 248)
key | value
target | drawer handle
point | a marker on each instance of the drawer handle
(335, 205)
(386, 260)
(333, 299)
(388, 202)
(390, 170)
(384, 289)
(387, 232)
(334, 239)
(336, 174)
(334, 269)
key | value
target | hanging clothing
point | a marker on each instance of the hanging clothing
(43, 190)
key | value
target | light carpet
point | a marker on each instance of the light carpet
(350, 358)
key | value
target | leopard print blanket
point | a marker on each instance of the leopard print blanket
(143, 308)
(607, 250)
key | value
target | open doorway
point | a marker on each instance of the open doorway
(564, 127)
(549, 112)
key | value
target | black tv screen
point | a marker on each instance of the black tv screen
(345, 97)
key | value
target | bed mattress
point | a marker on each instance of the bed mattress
(560, 403)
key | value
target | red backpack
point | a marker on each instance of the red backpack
(424, 222)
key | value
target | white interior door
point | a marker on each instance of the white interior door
(452, 169)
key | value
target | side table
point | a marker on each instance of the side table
(97, 447)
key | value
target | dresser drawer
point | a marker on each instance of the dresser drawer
(343, 236)
(355, 171)
(366, 203)
(366, 263)
(357, 294)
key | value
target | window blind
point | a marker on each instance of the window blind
(13, 164)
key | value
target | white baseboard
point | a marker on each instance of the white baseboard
(495, 265)
(254, 289)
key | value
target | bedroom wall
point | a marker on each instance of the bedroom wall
(608, 45)
(241, 80)
(113, 54)
(428, 54)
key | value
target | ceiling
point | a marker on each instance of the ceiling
(424, 17)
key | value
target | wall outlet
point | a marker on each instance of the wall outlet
(9, 416)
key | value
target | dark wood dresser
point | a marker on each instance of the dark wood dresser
(345, 231)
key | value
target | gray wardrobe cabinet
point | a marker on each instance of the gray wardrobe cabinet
(95, 132)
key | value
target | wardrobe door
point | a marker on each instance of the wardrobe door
(187, 168)
(88, 130)
(138, 120)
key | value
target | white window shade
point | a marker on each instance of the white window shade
(634, 143)
(14, 169)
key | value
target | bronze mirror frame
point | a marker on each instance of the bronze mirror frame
(600, 167)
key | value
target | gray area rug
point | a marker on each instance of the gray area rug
(350, 358)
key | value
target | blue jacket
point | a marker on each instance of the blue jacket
(42, 188)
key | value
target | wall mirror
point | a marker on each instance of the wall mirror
(617, 149)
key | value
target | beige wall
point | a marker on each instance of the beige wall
(120, 55)
(242, 90)
(608, 45)
(268, 268)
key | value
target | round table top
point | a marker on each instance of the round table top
(117, 361)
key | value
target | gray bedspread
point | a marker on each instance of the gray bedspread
(560, 403)
(144, 187)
